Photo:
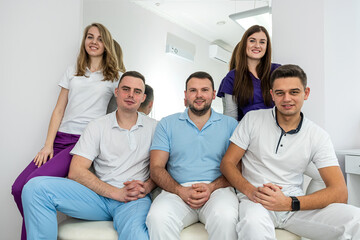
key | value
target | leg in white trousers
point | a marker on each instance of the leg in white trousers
(336, 221)
(255, 222)
(169, 214)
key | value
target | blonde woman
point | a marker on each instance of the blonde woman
(85, 93)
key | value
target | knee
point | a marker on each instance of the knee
(256, 219)
(16, 189)
(33, 188)
(225, 216)
(157, 218)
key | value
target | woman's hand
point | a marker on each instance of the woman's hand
(45, 154)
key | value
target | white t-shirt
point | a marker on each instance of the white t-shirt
(273, 156)
(88, 99)
(118, 154)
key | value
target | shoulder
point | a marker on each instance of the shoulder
(148, 121)
(227, 84)
(101, 123)
(71, 70)
(259, 115)
(274, 66)
(230, 75)
(315, 130)
(225, 118)
(171, 119)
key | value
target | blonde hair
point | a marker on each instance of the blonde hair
(119, 57)
(109, 64)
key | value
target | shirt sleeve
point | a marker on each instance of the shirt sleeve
(161, 139)
(241, 135)
(230, 106)
(227, 84)
(323, 153)
(88, 145)
(69, 73)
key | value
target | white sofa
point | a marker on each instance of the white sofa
(76, 229)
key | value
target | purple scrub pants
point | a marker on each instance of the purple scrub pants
(58, 166)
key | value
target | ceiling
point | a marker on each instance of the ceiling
(207, 18)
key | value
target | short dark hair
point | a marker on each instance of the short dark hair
(288, 70)
(200, 75)
(149, 96)
(134, 74)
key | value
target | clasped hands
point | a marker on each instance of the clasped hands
(271, 197)
(196, 195)
(132, 190)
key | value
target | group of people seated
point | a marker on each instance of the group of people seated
(239, 173)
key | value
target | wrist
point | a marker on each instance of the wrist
(249, 191)
(295, 203)
(179, 190)
(49, 145)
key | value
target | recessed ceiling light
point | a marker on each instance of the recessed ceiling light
(220, 22)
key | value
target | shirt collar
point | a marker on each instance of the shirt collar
(213, 117)
(296, 130)
(139, 121)
(88, 72)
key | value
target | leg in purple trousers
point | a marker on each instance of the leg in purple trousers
(58, 166)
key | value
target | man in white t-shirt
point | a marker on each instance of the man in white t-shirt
(118, 147)
(274, 147)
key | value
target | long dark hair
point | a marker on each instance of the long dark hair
(243, 87)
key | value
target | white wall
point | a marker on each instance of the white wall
(342, 80)
(39, 39)
(142, 36)
(298, 38)
(322, 37)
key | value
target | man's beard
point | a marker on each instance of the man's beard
(199, 112)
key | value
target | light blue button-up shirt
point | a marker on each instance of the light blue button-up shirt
(194, 155)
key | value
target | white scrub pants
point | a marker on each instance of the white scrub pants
(336, 221)
(169, 214)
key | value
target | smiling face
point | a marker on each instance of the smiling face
(94, 45)
(130, 93)
(288, 95)
(199, 95)
(256, 45)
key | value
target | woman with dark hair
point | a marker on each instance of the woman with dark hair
(247, 87)
(85, 93)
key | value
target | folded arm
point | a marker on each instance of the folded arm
(132, 190)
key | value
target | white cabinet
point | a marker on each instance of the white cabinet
(352, 170)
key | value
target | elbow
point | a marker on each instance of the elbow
(72, 174)
(223, 168)
(344, 196)
(152, 173)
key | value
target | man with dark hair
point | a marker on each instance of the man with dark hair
(274, 147)
(146, 106)
(118, 146)
(185, 160)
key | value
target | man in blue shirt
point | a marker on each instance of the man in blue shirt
(185, 162)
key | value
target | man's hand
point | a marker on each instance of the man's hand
(132, 190)
(196, 195)
(200, 195)
(272, 198)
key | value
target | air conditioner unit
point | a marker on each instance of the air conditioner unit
(218, 53)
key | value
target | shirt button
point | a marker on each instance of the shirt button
(281, 145)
